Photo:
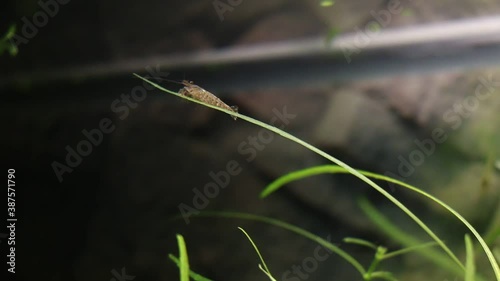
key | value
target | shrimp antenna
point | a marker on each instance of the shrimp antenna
(163, 79)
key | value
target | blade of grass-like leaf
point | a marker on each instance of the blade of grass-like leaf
(362, 177)
(289, 227)
(195, 276)
(300, 174)
(266, 273)
(470, 269)
(408, 250)
(360, 242)
(405, 239)
(383, 275)
(275, 185)
(183, 259)
(256, 250)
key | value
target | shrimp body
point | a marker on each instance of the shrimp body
(198, 93)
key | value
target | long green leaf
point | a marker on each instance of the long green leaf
(183, 259)
(195, 276)
(304, 233)
(470, 269)
(300, 174)
(265, 269)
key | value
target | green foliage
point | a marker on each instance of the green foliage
(470, 267)
(195, 276)
(183, 257)
(341, 167)
(262, 266)
(6, 42)
(408, 240)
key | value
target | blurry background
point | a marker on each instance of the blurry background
(424, 111)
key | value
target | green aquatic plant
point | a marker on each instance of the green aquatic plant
(365, 177)
(262, 266)
(183, 263)
(367, 273)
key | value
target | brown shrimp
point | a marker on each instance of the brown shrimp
(198, 93)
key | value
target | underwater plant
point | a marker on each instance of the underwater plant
(467, 269)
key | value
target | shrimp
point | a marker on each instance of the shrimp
(198, 93)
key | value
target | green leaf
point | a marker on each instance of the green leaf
(302, 232)
(360, 242)
(364, 177)
(194, 275)
(265, 269)
(470, 268)
(183, 257)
